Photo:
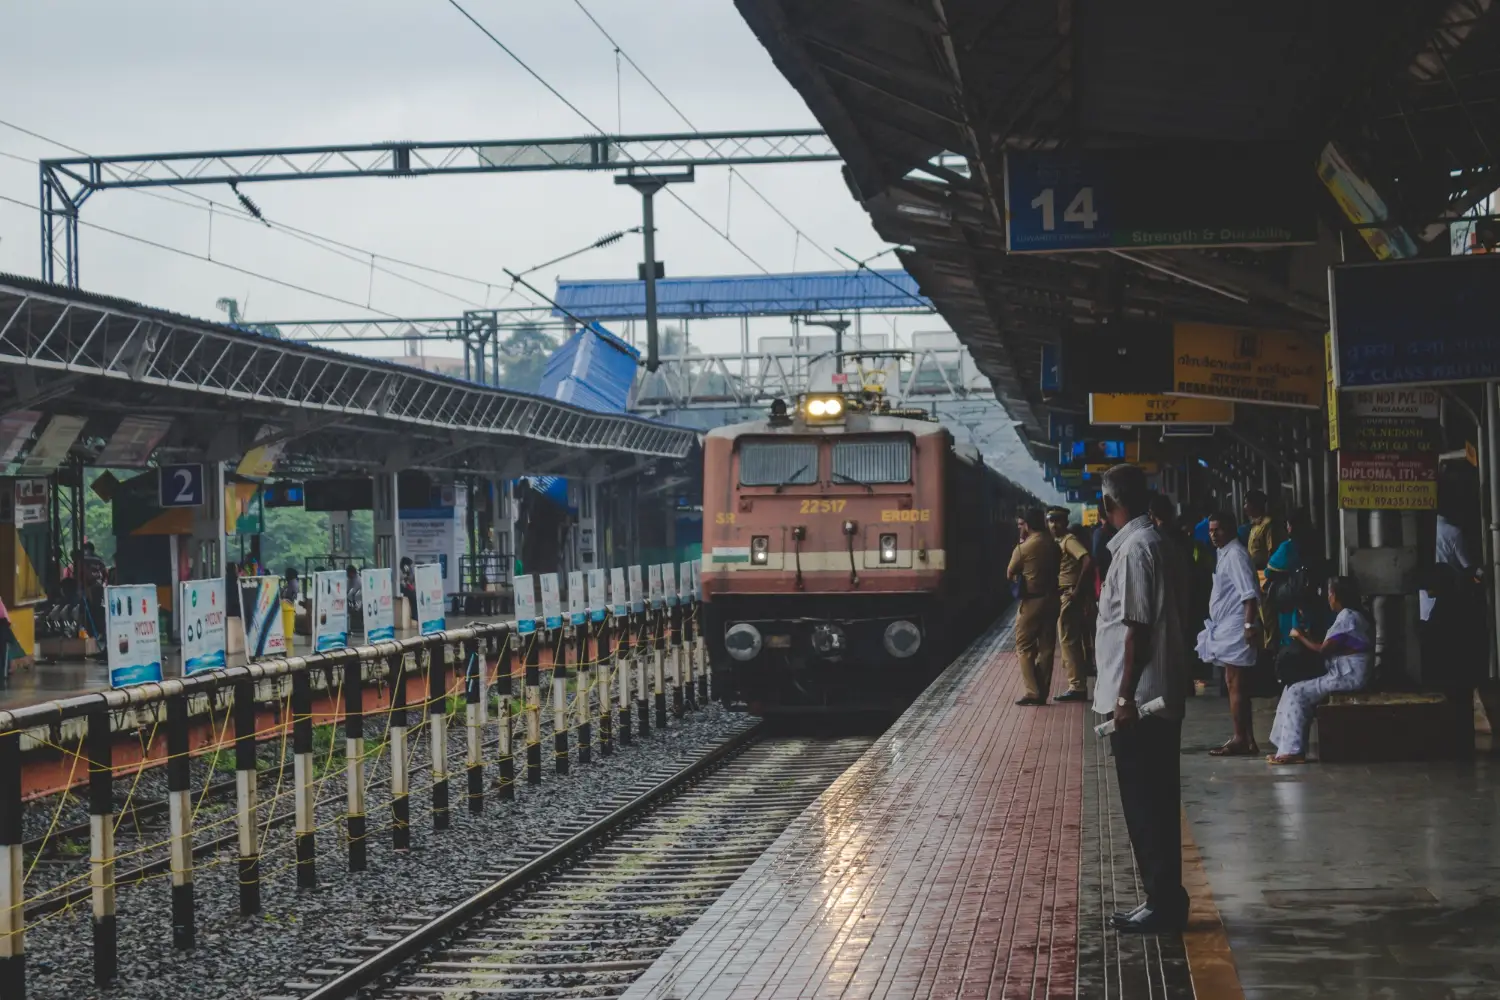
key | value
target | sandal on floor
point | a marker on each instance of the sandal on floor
(1286, 758)
(1233, 749)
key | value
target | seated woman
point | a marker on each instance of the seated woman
(1349, 648)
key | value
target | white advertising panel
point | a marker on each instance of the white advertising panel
(330, 626)
(204, 636)
(378, 605)
(576, 596)
(429, 583)
(134, 640)
(526, 604)
(551, 601)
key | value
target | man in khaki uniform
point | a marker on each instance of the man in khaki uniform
(1034, 562)
(1072, 614)
(1261, 543)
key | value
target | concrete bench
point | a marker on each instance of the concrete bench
(1376, 727)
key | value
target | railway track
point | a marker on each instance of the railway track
(586, 917)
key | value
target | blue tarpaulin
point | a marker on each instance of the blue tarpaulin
(593, 369)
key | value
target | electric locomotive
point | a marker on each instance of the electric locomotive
(850, 551)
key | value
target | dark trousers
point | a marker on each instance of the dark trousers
(1148, 763)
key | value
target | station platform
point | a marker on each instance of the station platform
(978, 849)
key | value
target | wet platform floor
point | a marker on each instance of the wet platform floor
(979, 848)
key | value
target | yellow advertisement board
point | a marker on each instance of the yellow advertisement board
(1332, 401)
(1140, 408)
(1273, 367)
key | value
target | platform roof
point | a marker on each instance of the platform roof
(1410, 89)
(794, 294)
(67, 351)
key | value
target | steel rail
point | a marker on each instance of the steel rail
(366, 973)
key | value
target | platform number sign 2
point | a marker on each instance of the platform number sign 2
(181, 486)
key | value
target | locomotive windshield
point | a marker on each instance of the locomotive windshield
(778, 463)
(873, 460)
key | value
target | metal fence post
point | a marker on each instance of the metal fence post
(658, 669)
(102, 849)
(624, 675)
(643, 656)
(12, 873)
(180, 807)
(503, 686)
(674, 650)
(246, 796)
(584, 697)
(689, 654)
(473, 695)
(354, 761)
(603, 653)
(437, 721)
(302, 778)
(534, 710)
(400, 788)
(560, 700)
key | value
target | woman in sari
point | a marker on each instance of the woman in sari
(1283, 609)
(1348, 648)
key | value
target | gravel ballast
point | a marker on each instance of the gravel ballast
(250, 957)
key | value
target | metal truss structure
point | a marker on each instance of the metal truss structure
(104, 358)
(713, 381)
(68, 182)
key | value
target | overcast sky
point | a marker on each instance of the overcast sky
(154, 75)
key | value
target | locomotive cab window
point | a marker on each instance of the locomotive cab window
(778, 463)
(872, 460)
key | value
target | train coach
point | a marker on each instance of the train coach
(850, 551)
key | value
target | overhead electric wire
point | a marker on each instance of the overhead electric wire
(595, 126)
(312, 239)
(690, 124)
(217, 263)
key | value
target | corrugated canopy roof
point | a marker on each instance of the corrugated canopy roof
(744, 295)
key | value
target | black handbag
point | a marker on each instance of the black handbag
(1296, 663)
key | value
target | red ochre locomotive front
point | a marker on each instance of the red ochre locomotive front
(849, 553)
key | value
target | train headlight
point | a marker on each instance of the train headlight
(742, 641)
(829, 641)
(902, 639)
(823, 409)
(887, 548)
(760, 550)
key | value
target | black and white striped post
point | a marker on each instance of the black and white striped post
(180, 816)
(644, 657)
(303, 771)
(624, 677)
(102, 849)
(354, 762)
(658, 667)
(436, 655)
(690, 655)
(503, 685)
(604, 655)
(674, 650)
(560, 646)
(12, 874)
(246, 796)
(400, 758)
(474, 723)
(534, 709)
(585, 696)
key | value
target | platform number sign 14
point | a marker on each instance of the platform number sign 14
(180, 486)
(1053, 203)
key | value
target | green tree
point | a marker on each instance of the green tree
(523, 357)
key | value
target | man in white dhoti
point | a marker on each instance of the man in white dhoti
(1231, 632)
